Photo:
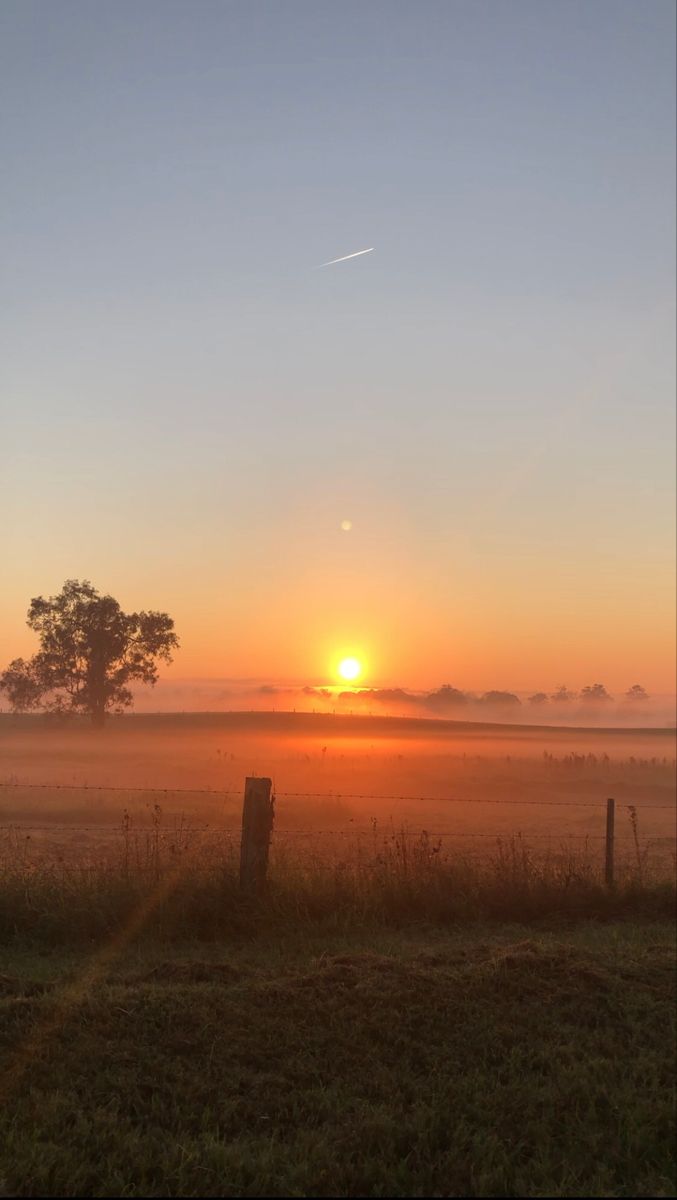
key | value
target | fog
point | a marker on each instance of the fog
(468, 783)
(500, 704)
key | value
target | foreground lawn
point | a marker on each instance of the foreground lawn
(480, 1061)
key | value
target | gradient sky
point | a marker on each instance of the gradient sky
(189, 409)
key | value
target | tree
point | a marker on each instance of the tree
(636, 692)
(500, 699)
(445, 696)
(22, 684)
(595, 691)
(562, 695)
(90, 651)
(538, 698)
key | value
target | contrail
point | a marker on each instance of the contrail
(346, 256)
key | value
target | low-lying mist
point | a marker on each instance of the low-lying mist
(592, 705)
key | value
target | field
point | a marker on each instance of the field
(484, 1061)
(436, 994)
(334, 777)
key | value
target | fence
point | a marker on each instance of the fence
(258, 820)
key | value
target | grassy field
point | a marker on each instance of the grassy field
(334, 775)
(428, 998)
(484, 1060)
(171, 889)
(379, 1026)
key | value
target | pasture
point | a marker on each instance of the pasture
(334, 778)
(435, 995)
(489, 1061)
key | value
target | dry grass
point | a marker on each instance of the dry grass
(186, 883)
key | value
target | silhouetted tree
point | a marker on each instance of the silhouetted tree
(23, 687)
(446, 696)
(636, 692)
(562, 695)
(393, 696)
(538, 698)
(90, 650)
(595, 691)
(502, 699)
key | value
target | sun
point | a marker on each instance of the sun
(349, 669)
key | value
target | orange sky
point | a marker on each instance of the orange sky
(415, 623)
(190, 408)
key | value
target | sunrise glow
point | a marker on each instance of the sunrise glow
(338, 612)
(349, 669)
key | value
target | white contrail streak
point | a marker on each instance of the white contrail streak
(346, 256)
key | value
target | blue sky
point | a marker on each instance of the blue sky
(488, 396)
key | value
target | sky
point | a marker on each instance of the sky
(190, 406)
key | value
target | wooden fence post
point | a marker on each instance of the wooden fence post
(609, 855)
(257, 826)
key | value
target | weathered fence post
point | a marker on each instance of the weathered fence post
(609, 855)
(257, 826)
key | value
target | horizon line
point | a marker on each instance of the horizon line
(350, 716)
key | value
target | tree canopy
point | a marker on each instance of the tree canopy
(595, 691)
(499, 698)
(90, 651)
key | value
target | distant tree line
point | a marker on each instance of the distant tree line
(594, 693)
(447, 698)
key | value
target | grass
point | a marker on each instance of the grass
(484, 1060)
(389, 1020)
(186, 887)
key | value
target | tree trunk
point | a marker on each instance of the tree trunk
(96, 679)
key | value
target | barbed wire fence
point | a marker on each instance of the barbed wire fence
(316, 795)
(228, 835)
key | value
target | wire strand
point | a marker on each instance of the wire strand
(99, 787)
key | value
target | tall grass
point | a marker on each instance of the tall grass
(186, 884)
